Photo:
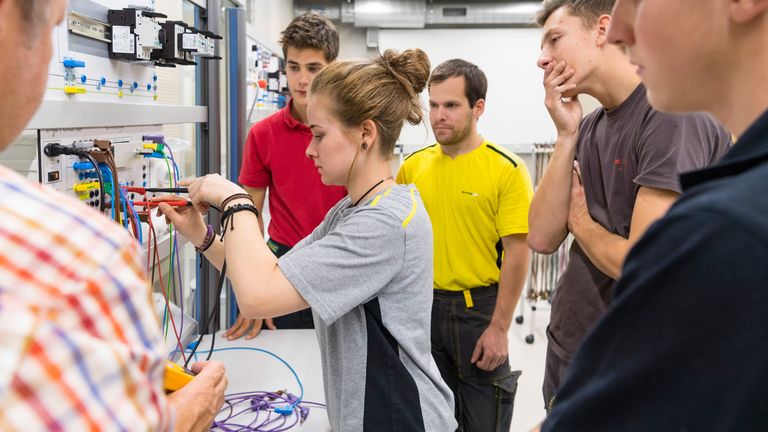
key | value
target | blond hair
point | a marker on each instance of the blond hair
(384, 89)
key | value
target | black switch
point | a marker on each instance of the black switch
(53, 176)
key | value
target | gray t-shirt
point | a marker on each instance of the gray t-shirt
(366, 271)
(619, 151)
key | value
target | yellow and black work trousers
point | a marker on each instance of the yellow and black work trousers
(484, 400)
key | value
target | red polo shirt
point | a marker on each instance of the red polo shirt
(275, 158)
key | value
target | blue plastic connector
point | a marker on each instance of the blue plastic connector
(70, 63)
(82, 166)
(284, 410)
(106, 173)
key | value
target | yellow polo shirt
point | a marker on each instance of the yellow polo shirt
(473, 201)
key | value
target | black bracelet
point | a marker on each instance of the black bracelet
(228, 199)
(226, 216)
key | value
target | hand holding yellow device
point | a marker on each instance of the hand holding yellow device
(176, 376)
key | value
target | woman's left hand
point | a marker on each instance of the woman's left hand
(211, 189)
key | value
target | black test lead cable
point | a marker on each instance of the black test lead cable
(214, 312)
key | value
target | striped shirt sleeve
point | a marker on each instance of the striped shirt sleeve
(81, 347)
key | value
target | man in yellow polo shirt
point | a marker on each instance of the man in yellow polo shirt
(477, 195)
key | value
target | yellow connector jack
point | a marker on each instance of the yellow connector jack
(74, 90)
(150, 146)
(85, 187)
(176, 376)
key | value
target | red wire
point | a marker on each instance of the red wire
(174, 203)
(162, 285)
(167, 305)
(132, 221)
(149, 239)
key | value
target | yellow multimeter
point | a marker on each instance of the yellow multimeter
(176, 376)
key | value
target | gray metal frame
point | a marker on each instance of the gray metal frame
(237, 127)
(209, 158)
(64, 114)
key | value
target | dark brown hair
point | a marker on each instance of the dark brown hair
(311, 30)
(475, 82)
(588, 10)
(384, 89)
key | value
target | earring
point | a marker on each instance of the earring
(364, 145)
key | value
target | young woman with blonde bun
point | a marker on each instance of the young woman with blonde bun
(366, 271)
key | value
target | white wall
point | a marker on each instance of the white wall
(515, 97)
(515, 116)
(352, 42)
(268, 18)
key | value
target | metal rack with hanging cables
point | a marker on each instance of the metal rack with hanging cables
(545, 269)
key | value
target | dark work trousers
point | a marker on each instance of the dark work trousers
(554, 372)
(484, 400)
(297, 320)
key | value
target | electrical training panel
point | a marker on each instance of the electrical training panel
(267, 85)
(138, 35)
(104, 138)
(128, 158)
(109, 169)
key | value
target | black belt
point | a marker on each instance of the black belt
(467, 294)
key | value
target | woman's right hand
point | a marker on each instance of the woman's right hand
(187, 220)
(197, 403)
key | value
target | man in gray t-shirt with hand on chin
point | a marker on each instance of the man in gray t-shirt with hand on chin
(625, 175)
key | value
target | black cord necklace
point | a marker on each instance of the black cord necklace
(369, 190)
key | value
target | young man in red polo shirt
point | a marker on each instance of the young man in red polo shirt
(275, 158)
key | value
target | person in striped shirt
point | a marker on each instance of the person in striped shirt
(80, 347)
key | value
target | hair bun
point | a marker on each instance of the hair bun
(412, 65)
(384, 89)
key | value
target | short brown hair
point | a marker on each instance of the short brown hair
(588, 10)
(384, 89)
(311, 30)
(475, 82)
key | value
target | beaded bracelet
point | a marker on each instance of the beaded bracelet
(207, 241)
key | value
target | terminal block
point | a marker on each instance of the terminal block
(182, 45)
(201, 44)
(171, 53)
(135, 34)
